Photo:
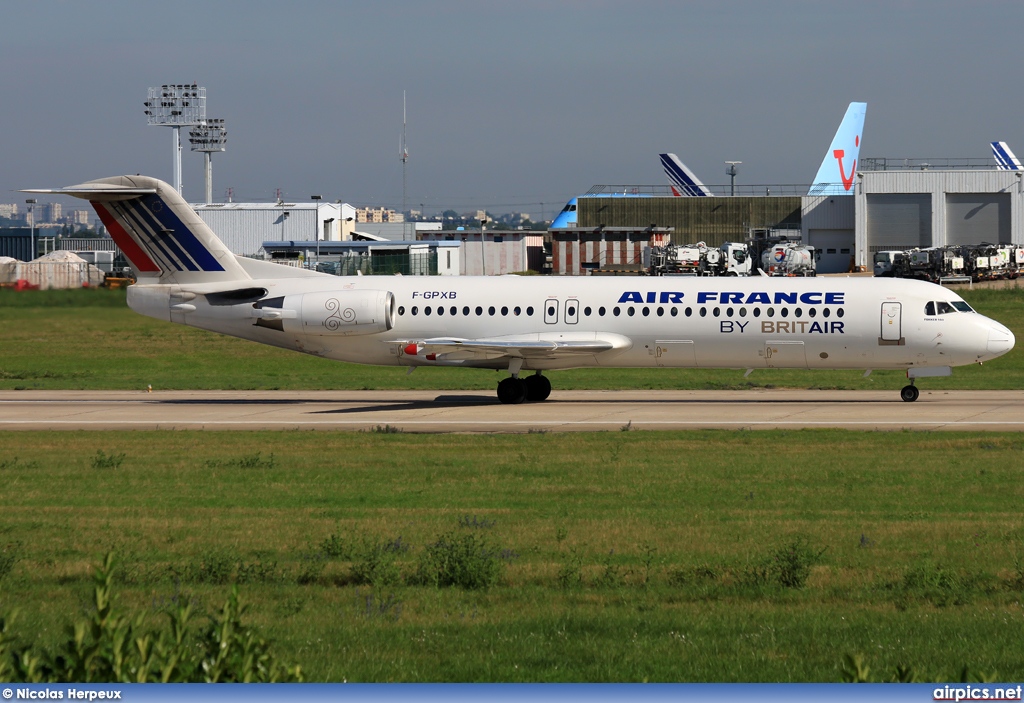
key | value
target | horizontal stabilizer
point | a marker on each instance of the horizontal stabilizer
(96, 191)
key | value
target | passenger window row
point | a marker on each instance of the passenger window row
(646, 311)
(466, 310)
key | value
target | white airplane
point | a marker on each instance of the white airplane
(536, 323)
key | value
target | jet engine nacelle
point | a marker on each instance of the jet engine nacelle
(342, 312)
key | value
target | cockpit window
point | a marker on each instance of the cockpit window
(962, 306)
(942, 308)
(929, 309)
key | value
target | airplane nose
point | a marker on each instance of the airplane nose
(1000, 340)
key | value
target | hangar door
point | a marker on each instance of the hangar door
(898, 221)
(835, 249)
(977, 218)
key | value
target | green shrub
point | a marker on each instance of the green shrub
(334, 547)
(463, 559)
(110, 647)
(936, 584)
(107, 461)
(375, 562)
(788, 566)
(221, 567)
(311, 568)
(570, 575)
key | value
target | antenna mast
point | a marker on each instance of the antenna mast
(403, 153)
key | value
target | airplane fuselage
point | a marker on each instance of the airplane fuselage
(756, 322)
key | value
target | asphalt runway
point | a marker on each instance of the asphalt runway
(479, 411)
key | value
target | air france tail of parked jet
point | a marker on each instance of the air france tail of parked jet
(534, 323)
(1005, 159)
(681, 179)
(838, 168)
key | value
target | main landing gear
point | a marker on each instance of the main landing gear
(909, 393)
(514, 390)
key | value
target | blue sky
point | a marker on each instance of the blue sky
(510, 104)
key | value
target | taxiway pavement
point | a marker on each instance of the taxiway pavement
(479, 411)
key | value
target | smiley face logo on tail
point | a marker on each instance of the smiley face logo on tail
(838, 168)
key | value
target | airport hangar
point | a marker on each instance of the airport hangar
(896, 204)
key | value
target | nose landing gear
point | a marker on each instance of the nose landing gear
(909, 393)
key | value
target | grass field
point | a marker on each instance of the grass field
(625, 556)
(89, 339)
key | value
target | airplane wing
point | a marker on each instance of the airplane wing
(454, 348)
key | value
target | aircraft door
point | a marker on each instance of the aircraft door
(551, 311)
(572, 311)
(892, 329)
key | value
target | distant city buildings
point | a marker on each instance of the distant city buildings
(378, 214)
(47, 215)
(49, 212)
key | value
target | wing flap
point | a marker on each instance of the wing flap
(521, 348)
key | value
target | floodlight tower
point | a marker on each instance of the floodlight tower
(208, 136)
(403, 154)
(176, 106)
(731, 173)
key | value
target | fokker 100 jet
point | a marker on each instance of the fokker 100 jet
(528, 325)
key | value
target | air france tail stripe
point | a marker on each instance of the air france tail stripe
(157, 248)
(677, 176)
(159, 235)
(1004, 157)
(182, 234)
(138, 258)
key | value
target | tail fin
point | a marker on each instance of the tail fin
(1005, 160)
(158, 232)
(681, 179)
(838, 168)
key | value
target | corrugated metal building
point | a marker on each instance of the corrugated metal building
(903, 209)
(382, 258)
(827, 224)
(505, 250)
(712, 220)
(16, 242)
(243, 227)
(396, 231)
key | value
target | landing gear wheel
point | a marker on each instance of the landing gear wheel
(909, 393)
(538, 388)
(511, 391)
